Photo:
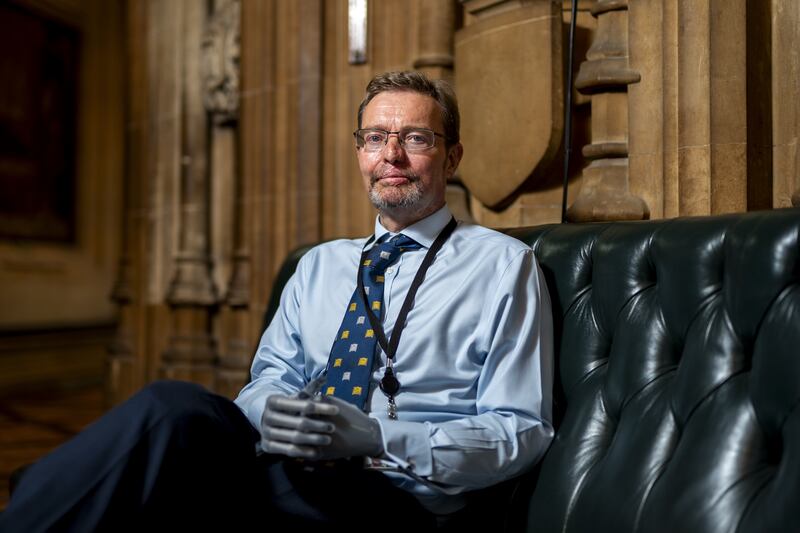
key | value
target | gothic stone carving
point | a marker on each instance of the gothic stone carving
(511, 128)
(220, 62)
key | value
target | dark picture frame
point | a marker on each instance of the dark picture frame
(39, 88)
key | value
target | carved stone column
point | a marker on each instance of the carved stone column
(785, 102)
(437, 25)
(123, 366)
(125, 369)
(435, 57)
(221, 54)
(121, 349)
(605, 76)
(192, 296)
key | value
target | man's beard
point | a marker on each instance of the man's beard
(411, 194)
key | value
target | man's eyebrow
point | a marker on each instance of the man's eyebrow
(405, 127)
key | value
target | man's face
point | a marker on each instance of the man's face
(399, 182)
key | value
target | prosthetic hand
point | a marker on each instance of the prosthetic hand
(296, 426)
(318, 428)
(355, 434)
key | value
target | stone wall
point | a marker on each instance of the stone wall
(239, 148)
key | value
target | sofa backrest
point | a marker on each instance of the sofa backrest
(678, 388)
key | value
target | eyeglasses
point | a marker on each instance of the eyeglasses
(411, 139)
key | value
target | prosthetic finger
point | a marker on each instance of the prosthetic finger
(288, 449)
(289, 436)
(286, 404)
(302, 423)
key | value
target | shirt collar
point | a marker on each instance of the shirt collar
(423, 231)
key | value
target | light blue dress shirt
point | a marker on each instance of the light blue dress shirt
(475, 360)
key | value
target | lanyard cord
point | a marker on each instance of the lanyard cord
(390, 348)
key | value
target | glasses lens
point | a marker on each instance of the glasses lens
(371, 140)
(419, 139)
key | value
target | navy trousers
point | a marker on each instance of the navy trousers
(176, 457)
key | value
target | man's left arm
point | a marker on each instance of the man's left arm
(512, 426)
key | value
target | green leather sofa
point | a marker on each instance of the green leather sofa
(677, 395)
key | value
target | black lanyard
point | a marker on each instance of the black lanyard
(389, 384)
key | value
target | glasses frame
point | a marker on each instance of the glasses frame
(361, 143)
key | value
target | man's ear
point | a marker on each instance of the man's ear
(454, 154)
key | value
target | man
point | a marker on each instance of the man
(358, 428)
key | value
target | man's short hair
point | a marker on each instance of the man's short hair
(417, 82)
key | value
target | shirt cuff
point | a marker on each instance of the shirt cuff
(408, 444)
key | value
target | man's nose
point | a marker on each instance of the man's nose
(393, 151)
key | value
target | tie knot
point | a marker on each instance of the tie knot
(404, 243)
(384, 253)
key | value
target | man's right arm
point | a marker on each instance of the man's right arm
(291, 424)
(279, 362)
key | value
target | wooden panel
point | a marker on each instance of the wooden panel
(51, 285)
(785, 74)
(60, 356)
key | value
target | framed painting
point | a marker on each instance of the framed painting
(39, 62)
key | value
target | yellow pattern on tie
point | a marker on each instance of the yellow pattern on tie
(351, 364)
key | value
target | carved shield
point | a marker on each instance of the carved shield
(508, 78)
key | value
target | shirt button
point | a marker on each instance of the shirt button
(389, 270)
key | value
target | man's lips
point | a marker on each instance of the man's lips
(393, 179)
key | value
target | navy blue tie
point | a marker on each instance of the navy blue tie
(353, 351)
